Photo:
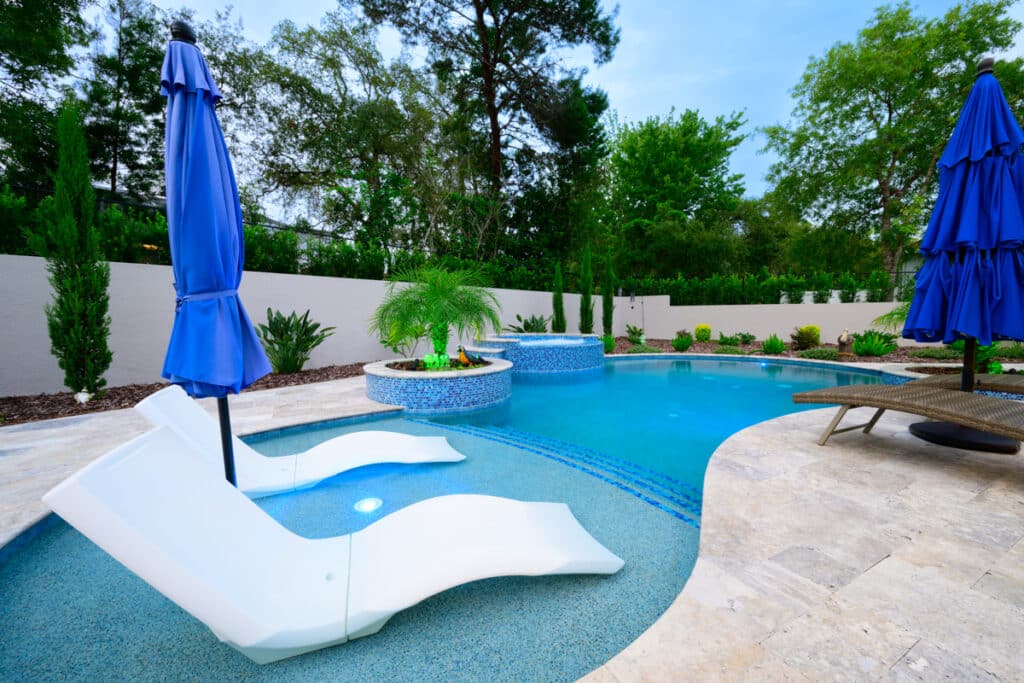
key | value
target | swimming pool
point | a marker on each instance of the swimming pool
(625, 448)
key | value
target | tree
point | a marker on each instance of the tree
(124, 108)
(558, 307)
(671, 190)
(500, 51)
(608, 297)
(586, 293)
(434, 301)
(36, 42)
(77, 319)
(872, 117)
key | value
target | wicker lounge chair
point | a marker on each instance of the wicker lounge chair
(984, 413)
(1009, 384)
(156, 506)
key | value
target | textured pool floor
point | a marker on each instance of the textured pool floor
(68, 611)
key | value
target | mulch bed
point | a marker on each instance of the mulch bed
(17, 409)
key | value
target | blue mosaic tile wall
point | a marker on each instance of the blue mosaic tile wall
(441, 394)
(567, 358)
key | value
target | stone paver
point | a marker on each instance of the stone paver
(876, 557)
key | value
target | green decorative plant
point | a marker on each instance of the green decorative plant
(77, 320)
(820, 353)
(730, 350)
(683, 341)
(643, 348)
(746, 338)
(794, 286)
(289, 340)
(557, 305)
(535, 324)
(936, 353)
(873, 343)
(634, 334)
(848, 288)
(821, 283)
(609, 343)
(608, 297)
(586, 293)
(773, 346)
(434, 301)
(806, 337)
(878, 286)
(728, 340)
(702, 333)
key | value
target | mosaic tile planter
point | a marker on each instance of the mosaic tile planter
(440, 392)
(550, 353)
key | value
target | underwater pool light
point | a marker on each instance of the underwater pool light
(367, 504)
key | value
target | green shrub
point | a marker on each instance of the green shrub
(683, 341)
(608, 296)
(806, 337)
(271, 252)
(557, 304)
(820, 353)
(873, 343)
(730, 350)
(879, 286)
(821, 283)
(15, 223)
(333, 259)
(794, 286)
(728, 340)
(586, 293)
(609, 343)
(746, 338)
(702, 333)
(289, 340)
(635, 335)
(535, 324)
(1014, 350)
(773, 346)
(937, 353)
(133, 237)
(643, 348)
(848, 288)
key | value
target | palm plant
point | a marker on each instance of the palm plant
(434, 301)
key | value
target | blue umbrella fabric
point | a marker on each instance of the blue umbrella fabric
(971, 285)
(213, 349)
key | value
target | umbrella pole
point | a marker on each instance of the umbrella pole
(225, 440)
(967, 374)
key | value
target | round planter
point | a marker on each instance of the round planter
(440, 392)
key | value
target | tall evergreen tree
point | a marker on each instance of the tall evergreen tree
(558, 312)
(586, 293)
(608, 296)
(77, 319)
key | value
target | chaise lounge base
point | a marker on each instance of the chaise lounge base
(983, 413)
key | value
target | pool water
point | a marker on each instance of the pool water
(625, 447)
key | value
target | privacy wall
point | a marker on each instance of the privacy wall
(142, 311)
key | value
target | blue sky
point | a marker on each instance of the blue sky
(715, 57)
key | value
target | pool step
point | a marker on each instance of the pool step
(665, 493)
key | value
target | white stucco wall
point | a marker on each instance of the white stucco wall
(142, 311)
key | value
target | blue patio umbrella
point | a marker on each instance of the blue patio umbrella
(971, 284)
(213, 349)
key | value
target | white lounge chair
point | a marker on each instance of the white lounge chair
(259, 475)
(154, 505)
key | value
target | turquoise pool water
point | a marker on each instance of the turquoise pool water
(625, 447)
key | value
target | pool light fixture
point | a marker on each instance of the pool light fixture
(368, 505)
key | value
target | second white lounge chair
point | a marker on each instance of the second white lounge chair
(156, 507)
(260, 475)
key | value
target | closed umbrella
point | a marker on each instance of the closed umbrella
(971, 283)
(213, 350)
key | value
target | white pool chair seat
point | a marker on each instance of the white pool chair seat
(154, 505)
(260, 475)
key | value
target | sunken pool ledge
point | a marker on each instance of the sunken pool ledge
(440, 392)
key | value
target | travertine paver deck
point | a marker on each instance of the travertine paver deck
(876, 557)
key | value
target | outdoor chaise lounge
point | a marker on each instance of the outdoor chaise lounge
(984, 413)
(259, 475)
(156, 506)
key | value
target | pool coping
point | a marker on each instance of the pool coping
(749, 608)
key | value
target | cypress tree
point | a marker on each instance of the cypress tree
(607, 296)
(558, 314)
(77, 319)
(586, 293)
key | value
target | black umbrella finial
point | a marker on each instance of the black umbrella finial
(985, 66)
(183, 32)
